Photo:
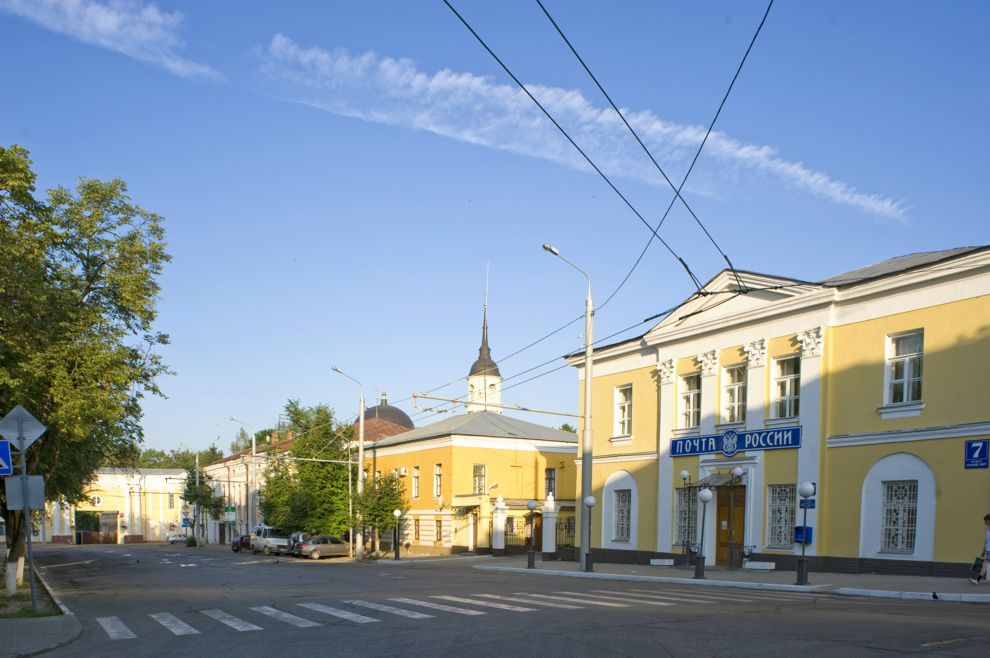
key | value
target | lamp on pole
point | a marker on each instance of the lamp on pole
(359, 548)
(586, 437)
(589, 559)
(736, 474)
(395, 546)
(806, 490)
(705, 496)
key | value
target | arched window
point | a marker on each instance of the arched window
(897, 519)
(620, 511)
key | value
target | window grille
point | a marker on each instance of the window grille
(623, 511)
(416, 529)
(900, 516)
(687, 516)
(781, 508)
(788, 386)
(439, 530)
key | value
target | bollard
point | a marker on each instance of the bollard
(589, 562)
(802, 571)
(531, 559)
(699, 567)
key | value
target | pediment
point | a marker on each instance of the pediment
(730, 295)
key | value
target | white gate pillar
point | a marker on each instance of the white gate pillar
(550, 528)
(498, 526)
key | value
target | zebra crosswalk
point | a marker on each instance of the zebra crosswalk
(312, 614)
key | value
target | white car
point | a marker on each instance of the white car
(176, 538)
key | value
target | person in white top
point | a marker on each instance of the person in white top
(986, 554)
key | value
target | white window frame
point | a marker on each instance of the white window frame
(437, 480)
(734, 394)
(622, 415)
(415, 482)
(899, 531)
(788, 400)
(781, 515)
(621, 514)
(480, 478)
(686, 513)
(690, 402)
(549, 482)
(913, 369)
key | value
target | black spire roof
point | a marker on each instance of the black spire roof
(484, 365)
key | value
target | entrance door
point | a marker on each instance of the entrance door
(730, 524)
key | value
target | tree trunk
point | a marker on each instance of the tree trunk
(15, 528)
(378, 545)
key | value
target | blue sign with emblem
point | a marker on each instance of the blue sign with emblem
(731, 441)
(976, 453)
(6, 463)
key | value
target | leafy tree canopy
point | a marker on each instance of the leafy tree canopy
(78, 293)
(184, 458)
(379, 500)
(567, 427)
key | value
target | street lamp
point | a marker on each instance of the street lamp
(736, 474)
(395, 547)
(586, 439)
(705, 496)
(359, 549)
(685, 510)
(589, 559)
(806, 491)
(252, 508)
(531, 556)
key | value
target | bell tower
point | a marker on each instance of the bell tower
(484, 380)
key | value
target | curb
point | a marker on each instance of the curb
(657, 579)
(914, 596)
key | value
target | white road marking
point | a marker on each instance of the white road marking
(439, 606)
(517, 599)
(288, 618)
(487, 604)
(173, 623)
(390, 609)
(714, 596)
(663, 597)
(343, 614)
(571, 599)
(231, 620)
(626, 599)
(115, 628)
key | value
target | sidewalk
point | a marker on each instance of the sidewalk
(842, 584)
(30, 636)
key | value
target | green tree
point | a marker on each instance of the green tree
(241, 443)
(78, 289)
(379, 500)
(567, 427)
(184, 458)
(201, 497)
(306, 488)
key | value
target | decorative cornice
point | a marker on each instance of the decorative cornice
(709, 363)
(811, 342)
(921, 434)
(666, 369)
(756, 353)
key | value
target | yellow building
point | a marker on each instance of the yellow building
(455, 470)
(872, 385)
(123, 506)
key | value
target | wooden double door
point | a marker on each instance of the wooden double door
(730, 524)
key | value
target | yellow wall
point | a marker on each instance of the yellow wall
(644, 405)
(955, 339)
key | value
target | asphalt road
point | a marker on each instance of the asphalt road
(158, 600)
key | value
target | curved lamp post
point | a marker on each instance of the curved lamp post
(586, 436)
(806, 490)
(395, 546)
(705, 496)
(589, 559)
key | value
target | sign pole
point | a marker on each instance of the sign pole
(26, 521)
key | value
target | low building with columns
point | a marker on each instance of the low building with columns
(122, 506)
(871, 385)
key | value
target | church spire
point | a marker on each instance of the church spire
(484, 379)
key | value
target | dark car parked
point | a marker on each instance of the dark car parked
(240, 543)
(322, 546)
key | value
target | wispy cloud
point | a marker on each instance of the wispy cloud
(473, 109)
(141, 31)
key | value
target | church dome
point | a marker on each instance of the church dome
(382, 421)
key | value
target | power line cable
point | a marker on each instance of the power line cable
(587, 159)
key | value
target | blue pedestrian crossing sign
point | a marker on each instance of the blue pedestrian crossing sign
(6, 463)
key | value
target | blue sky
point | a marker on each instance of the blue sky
(337, 177)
